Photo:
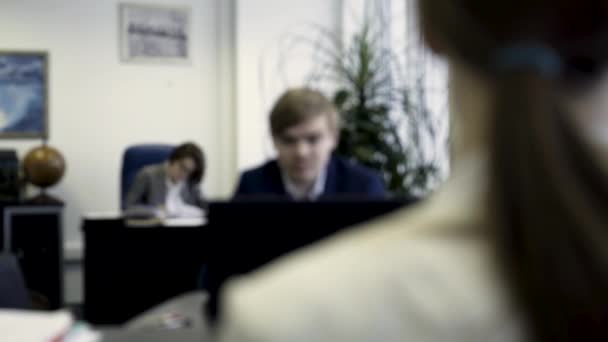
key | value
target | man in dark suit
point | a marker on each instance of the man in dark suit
(304, 127)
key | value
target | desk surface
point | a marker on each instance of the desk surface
(147, 326)
(151, 335)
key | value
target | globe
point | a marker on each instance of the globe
(43, 166)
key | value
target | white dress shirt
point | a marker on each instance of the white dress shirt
(299, 193)
(174, 202)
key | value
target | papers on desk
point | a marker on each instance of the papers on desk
(184, 221)
(33, 326)
(187, 210)
(167, 222)
(146, 216)
(103, 215)
(143, 216)
(189, 216)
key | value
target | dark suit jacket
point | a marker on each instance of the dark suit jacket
(344, 178)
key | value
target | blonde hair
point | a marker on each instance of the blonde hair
(299, 105)
(546, 195)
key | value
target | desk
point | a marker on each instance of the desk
(128, 270)
(151, 335)
(147, 327)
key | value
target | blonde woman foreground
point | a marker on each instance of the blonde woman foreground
(514, 246)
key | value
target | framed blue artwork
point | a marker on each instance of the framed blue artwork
(23, 94)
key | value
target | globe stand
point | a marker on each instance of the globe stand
(44, 198)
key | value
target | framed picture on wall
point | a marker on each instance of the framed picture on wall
(23, 94)
(154, 33)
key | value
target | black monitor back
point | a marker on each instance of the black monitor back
(244, 235)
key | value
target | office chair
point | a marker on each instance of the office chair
(136, 157)
(13, 293)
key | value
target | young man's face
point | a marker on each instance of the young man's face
(304, 149)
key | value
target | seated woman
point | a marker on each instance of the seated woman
(171, 187)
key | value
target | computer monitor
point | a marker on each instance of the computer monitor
(247, 234)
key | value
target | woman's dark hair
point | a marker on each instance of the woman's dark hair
(190, 150)
(547, 197)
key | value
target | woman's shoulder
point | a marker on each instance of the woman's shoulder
(379, 280)
(153, 170)
(425, 273)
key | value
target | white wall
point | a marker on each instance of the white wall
(262, 28)
(99, 105)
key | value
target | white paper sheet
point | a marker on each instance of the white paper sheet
(33, 326)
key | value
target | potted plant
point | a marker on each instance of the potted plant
(385, 123)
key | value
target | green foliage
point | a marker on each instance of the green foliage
(373, 133)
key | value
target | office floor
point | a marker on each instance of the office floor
(72, 286)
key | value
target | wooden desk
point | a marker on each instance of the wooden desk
(128, 270)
